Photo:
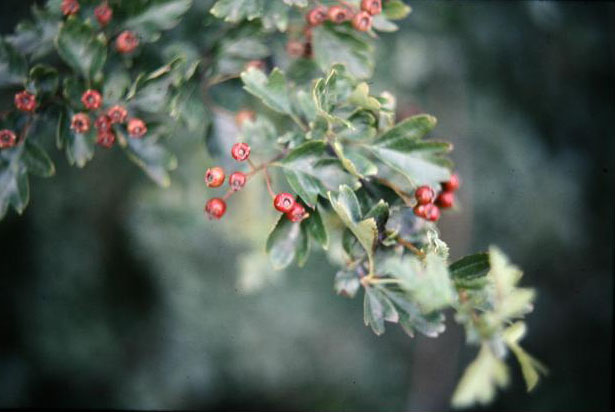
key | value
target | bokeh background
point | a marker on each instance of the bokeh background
(117, 294)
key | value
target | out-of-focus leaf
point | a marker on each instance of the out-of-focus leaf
(395, 9)
(13, 66)
(272, 90)
(37, 160)
(43, 80)
(285, 242)
(14, 187)
(79, 147)
(377, 308)
(36, 38)
(316, 228)
(346, 283)
(153, 158)
(80, 48)
(157, 16)
(335, 45)
(360, 97)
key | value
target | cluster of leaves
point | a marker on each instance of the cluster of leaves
(318, 129)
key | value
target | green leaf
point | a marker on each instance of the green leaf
(360, 97)
(272, 90)
(14, 187)
(380, 213)
(36, 38)
(157, 16)
(395, 9)
(336, 45)
(116, 85)
(44, 80)
(37, 160)
(316, 228)
(153, 158)
(13, 66)
(530, 367)
(470, 272)
(412, 128)
(234, 11)
(376, 309)
(80, 48)
(79, 147)
(481, 379)
(510, 301)
(346, 283)
(285, 242)
(410, 316)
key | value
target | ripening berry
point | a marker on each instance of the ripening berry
(419, 210)
(215, 208)
(237, 180)
(126, 42)
(244, 115)
(284, 202)
(297, 213)
(240, 151)
(7, 139)
(80, 123)
(257, 64)
(295, 48)
(373, 7)
(452, 184)
(117, 114)
(136, 128)
(424, 195)
(103, 13)
(102, 123)
(69, 7)
(105, 138)
(316, 16)
(432, 212)
(214, 176)
(339, 14)
(25, 101)
(91, 99)
(445, 200)
(362, 21)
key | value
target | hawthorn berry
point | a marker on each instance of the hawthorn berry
(362, 21)
(91, 99)
(7, 138)
(316, 16)
(244, 115)
(214, 176)
(295, 48)
(25, 101)
(284, 202)
(103, 13)
(445, 200)
(69, 7)
(339, 14)
(373, 7)
(432, 212)
(453, 184)
(117, 114)
(105, 138)
(237, 180)
(215, 208)
(424, 195)
(126, 42)
(297, 213)
(80, 123)
(102, 123)
(419, 210)
(136, 128)
(240, 152)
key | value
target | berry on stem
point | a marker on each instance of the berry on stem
(244, 115)
(117, 114)
(316, 16)
(91, 99)
(339, 14)
(424, 195)
(240, 152)
(373, 7)
(453, 184)
(136, 128)
(69, 7)
(25, 101)
(105, 138)
(297, 213)
(362, 21)
(102, 123)
(7, 138)
(215, 208)
(432, 212)
(126, 42)
(419, 210)
(80, 123)
(284, 202)
(103, 13)
(214, 176)
(237, 180)
(445, 200)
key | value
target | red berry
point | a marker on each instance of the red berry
(117, 114)
(105, 138)
(424, 195)
(373, 7)
(80, 123)
(7, 139)
(244, 115)
(445, 200)
(432, 212)
(284, 202)
(362, 21)
(25, 101)
(295, 48)
(126, 42)
(91, 99)
(452, 184)
(237, 180)
(316, 16)
(297, 213)
(419, 210)
(214, 176)
(339, 14)
(240, 151)
(103, 123)
(69, 7)
(136, 128)
(215, 208)
(103, 13)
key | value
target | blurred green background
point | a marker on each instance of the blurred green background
(117, 294)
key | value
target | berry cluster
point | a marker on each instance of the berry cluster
(105, 119)
(126, 42)
(361, 20)
(428, 205)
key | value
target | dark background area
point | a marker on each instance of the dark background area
(117, 294)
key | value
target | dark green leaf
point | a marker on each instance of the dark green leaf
(316, 228)
(78, 45)
(14, 187)
(153, 158)
(470, 271)
(335, 45)
(44, 80)
(157, 16)
(37, 160)
(36, 38)
(13, 66)
(272, 91)
(376, 309)
(285, 242)
(412, 128)
(79, 147)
